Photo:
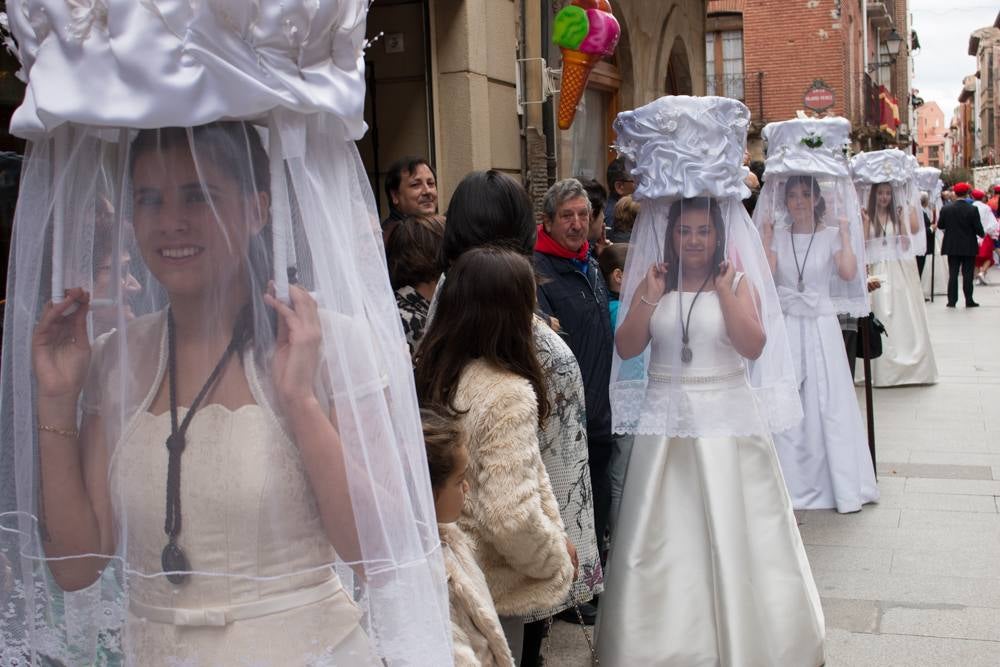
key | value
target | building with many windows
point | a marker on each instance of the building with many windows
(831, 57)
(931, 133)
(984, 45)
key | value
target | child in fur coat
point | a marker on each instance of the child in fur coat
(477, 637)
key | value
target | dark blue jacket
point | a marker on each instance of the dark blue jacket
(580, 303)
(961, 224)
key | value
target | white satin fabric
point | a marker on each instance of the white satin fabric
(708, 567)
(825, 458)
(814, 146)
(681, 146)
(907, 353)
(163, 63)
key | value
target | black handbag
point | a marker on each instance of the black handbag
(875, 330)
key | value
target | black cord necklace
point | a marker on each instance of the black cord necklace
(878, 221)
(686, 354)
(174, 561)
(801, 270)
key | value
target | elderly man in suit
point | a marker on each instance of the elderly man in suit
(961, 225)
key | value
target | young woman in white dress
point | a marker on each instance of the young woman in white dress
(707, 567)
(245, 453)
(810, 226)
(894, 233)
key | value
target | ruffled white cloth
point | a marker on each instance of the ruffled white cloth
(162, 63)
(815, 146)
(681, 146)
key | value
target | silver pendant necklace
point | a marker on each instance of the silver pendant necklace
(802, 269)
(686, 353)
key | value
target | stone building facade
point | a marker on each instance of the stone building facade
(462, 83)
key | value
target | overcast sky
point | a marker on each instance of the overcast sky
(943, 27)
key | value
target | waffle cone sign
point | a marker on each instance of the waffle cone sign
(575, 72)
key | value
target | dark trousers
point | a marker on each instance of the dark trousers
(966, 264)
(599, 449)
(534, 635)
(920, 264)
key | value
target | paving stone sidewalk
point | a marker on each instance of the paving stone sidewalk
(915, 579)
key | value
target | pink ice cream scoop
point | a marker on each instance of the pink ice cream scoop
(602, 38)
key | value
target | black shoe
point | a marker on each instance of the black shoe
(949, 305)
(972, 304)
(587, 610)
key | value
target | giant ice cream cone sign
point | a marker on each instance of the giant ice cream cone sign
(585, 31)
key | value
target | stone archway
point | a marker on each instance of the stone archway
(678, 80)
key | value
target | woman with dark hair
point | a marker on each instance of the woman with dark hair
(491, 208)
(895, 235)
(707, 566)
(813, 237)
(248, 391)
(411, 251)
(478, 359)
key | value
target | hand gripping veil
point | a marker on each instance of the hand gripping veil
(691, 379)
(192, 200)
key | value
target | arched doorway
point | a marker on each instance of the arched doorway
(678, 81)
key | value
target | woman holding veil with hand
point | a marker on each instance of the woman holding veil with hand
(246, 451)
(707, 566)
(810, 225)
(894, 236)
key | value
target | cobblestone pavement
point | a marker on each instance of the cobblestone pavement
(914, 580)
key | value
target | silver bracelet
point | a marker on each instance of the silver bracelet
(649, 303)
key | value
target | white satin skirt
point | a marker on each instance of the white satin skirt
(708, 567)
(907, 356)
(825, 458)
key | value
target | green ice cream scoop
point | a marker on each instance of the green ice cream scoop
(571, 27)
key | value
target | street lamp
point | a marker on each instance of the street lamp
(893, 43)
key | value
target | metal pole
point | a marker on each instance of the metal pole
(869, 399)
(933, 262)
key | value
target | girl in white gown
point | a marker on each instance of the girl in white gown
(707, 567)
(810, 225)
(894, 233)
(244, 454)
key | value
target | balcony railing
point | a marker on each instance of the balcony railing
(748, 88)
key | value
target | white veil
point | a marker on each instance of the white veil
(899, 233)
(812, 155)
(195, 153)
(686, 153)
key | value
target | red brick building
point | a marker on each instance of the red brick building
(770, 53)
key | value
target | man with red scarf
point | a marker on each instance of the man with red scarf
(572, 290)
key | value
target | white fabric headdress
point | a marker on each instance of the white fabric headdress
(686, 155)
(897, 232)
(187, 153)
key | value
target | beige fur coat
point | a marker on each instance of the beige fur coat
(510, 514)
(476, 634)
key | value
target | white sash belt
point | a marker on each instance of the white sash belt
(221, 616)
